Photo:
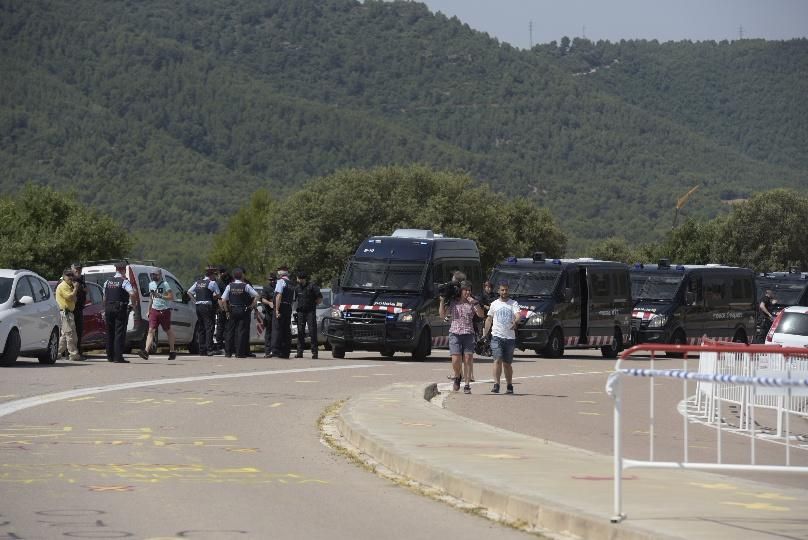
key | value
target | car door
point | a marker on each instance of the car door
(94, 324)
(25, 314)
(600, 305)
(183, 311)
(47, 311)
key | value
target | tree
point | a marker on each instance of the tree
(616, 249)
(318, 228)
(44, 231)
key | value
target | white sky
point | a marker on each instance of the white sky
(664, 20)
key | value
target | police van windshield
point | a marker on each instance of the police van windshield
(526, 283)
(654, 287)
(785, 294)
(392, 275)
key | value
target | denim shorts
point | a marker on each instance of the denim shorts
(502, 348)
(462, 343)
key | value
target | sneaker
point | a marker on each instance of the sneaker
(143, 354)
(467, 389)
(495, 389)
(456, 385)
(509, 389)
(172, 355)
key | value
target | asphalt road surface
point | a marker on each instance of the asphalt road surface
(216, 448)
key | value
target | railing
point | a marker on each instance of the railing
(746, 375)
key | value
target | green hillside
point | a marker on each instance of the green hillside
(169, 115)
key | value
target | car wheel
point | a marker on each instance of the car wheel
(678, 338)
(611, 351)
(12, 350)
(388, 353)
(424, 347)
(555, 345)
(52, 352)
(338, 351)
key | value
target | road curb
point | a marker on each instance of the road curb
(359, 423)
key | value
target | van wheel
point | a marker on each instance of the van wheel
(337, 351)
(388, 353)
(678, 338)
(52, 352)
(555, 345)
(12, 350)
(611, 351)
(424, 347)
(739, 337)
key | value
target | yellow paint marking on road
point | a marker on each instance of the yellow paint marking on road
(307, 381)
(8, 396)
(417, 424)
(136, 401)
(276, 404)
(243, 450)
(111, 488)
(770, 496)
(589, 413)
(18, 427)
(590, 402)
(759, 506)
(203, 402)
(123, 430)
(500, 456)
(593, 392)
(85, 398)
(382, 374)
(719, 486)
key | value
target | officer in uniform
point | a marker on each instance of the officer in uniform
(282, 321)
(268, 302)
(81, 299)
(239, 299)
(205, 292)
(117, 292)
(308, 296)
(221, 316)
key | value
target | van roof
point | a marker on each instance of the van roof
(678, 268)
(522, 262)
(441, 247)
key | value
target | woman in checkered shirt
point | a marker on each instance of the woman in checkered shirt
(462, 338)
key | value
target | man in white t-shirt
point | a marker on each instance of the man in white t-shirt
(503, 317)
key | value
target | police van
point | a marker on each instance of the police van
(568, 303)
(183, 308)
(789, 288)
(679, 304)
(387, 298)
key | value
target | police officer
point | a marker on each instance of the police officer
(765, 314)
(308, 296)
(205, 292)
(239, 299)
(282, 321)
(117, 293)
(268, 303)
(81, 299)
(221, 316)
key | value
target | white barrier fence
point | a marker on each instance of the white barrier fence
(749, 376)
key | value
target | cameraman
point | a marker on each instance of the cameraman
(462, 339)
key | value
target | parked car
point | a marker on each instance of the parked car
(29, 317)
(94, 333)
(183, 309)
(789, 328)
(322, 312)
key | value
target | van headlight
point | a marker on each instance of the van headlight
(406, 317)
(657, 321)
(537, 319)
(334, 313)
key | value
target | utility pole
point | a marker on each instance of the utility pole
(740, 32)
(583, 32)
(530, 29)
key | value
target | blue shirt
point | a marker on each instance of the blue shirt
(249, 288)
(160, 288)
(212, 287)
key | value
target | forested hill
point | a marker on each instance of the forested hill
(170, 114)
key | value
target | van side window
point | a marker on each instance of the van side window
(600, 283)
(741, 289)
(143, 283)
(715, 291)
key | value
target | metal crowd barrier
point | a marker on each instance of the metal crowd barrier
(747, 375)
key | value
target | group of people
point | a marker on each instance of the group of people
(224, 304)
(501, 316)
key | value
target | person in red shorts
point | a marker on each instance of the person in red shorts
(159, 313)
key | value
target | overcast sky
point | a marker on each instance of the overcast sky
(664, 20)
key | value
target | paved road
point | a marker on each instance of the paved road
(233, 451)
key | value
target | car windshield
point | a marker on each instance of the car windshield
(654, 287)
(5, 288)
(526, 283)
(393, 275)
(327, 299)
(785, 294)
(795, 324)
(100, 277)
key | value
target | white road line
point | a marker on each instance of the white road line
(21, 404)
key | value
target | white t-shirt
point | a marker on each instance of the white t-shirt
(503, 315)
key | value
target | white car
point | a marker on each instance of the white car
(29, 317)
(790, 328)
(183, 309)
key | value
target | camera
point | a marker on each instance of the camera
(449, 290)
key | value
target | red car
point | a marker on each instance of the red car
(95, 327)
